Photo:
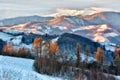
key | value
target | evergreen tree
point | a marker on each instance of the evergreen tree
(78, 51)
(87, 52)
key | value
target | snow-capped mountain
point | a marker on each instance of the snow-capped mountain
(22, 20)
(98, 27)
(84, 12)
(97, 24)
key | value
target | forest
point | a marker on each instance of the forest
(51, 61)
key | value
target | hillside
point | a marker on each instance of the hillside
(99, 27)
(65, 41)
(12, 68)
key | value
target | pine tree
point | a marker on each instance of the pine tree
(87, 52)
(78, 51)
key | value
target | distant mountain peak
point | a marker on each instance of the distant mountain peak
(84, 12)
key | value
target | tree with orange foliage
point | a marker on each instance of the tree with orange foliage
(99, 55)
(53, 49)
(45, 51)
(117, 61)
(37, 45)
(5, 49)
(10, 47)
(22, 52)
(116, 49)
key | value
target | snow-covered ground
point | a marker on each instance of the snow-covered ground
(12, 68)
(5, 37)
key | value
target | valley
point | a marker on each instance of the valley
(56, 39)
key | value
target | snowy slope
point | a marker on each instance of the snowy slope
(5, 37)
(20, 69)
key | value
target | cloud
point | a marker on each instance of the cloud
(13, 8)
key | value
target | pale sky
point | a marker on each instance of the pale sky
(14, 8)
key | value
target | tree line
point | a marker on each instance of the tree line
(50, 60)
(56, 63)
(9, 50)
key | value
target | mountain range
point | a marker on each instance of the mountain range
(99, 26)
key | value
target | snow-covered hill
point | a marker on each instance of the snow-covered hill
(100, 27)
(5, 37)
(12, 68)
